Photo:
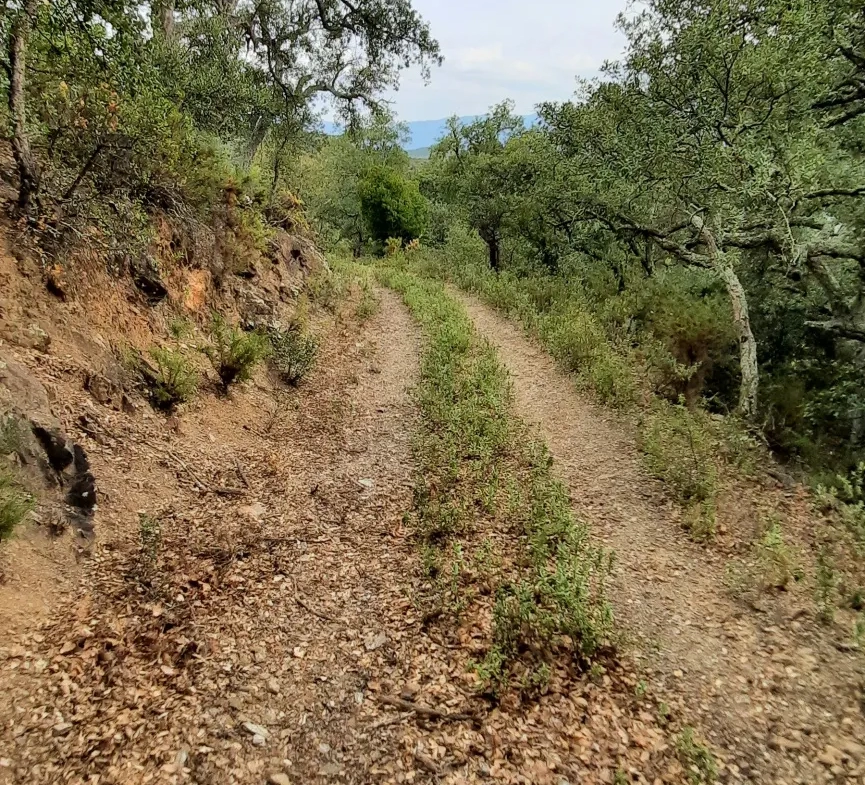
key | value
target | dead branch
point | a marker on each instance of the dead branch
(306, 606)
(425, 711)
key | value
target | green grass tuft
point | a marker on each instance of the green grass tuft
(15, 504)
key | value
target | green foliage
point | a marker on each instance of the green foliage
(368, 305)
(330, 178)
(826, 585)
(125, 102)
(392, 246)
(325, 288)
(475, 460)
(777, 561)
(233, 352)
(679, 450)
(175, 380)
(697, 759)
(679, 209)
(846, 496)
(12, 433)
(15, 504)
(391, 206)
(292, 353)
(772, 565)
(180, 327)
(474, 172)
(149, 537)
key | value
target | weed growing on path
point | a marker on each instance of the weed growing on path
(477, 464)
(679, 450)
(292, 353)
(697, 759)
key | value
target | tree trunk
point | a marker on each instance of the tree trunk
(491, 238)
(495, 255)
(647, 261)
(28, 169)
(162, 20)
(741, 321)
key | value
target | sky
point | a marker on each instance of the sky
(496, 49)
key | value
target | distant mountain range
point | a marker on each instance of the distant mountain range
(425, 133)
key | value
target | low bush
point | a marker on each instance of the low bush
(15, 503)
(368, 305)
(292, 353)
(612, 379)
(392, 246)
(174, 379)
(777, 561)
(574, 338)
(845, 496)
(233, 352)
(772, 564)
(679, 450)
(325, 288)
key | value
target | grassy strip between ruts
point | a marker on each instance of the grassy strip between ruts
(683, 446)
(488, 516)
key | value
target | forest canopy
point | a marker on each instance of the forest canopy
(705, 194)
(702, 198)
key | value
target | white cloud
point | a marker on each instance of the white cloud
(479, 55)
(529, 52)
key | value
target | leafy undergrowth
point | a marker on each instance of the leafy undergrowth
(684, 446)
(488, 517)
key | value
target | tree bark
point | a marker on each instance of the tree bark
(491, 238)
(495, 256)
(750, 373)
(28, 169)
(162, 20)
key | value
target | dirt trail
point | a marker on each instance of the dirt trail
(769, 693)
(286, 607)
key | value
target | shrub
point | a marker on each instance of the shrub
(391, 205)
(174, 380)
(679, 450)
(392, 246)
(574, 338)
(846, 496)
(14, 505)
(325, 287)
(612, 379)
(292, 353)
(368, 304)
(233, 352)
(777, 561)
(699, 519)
(180, 327)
